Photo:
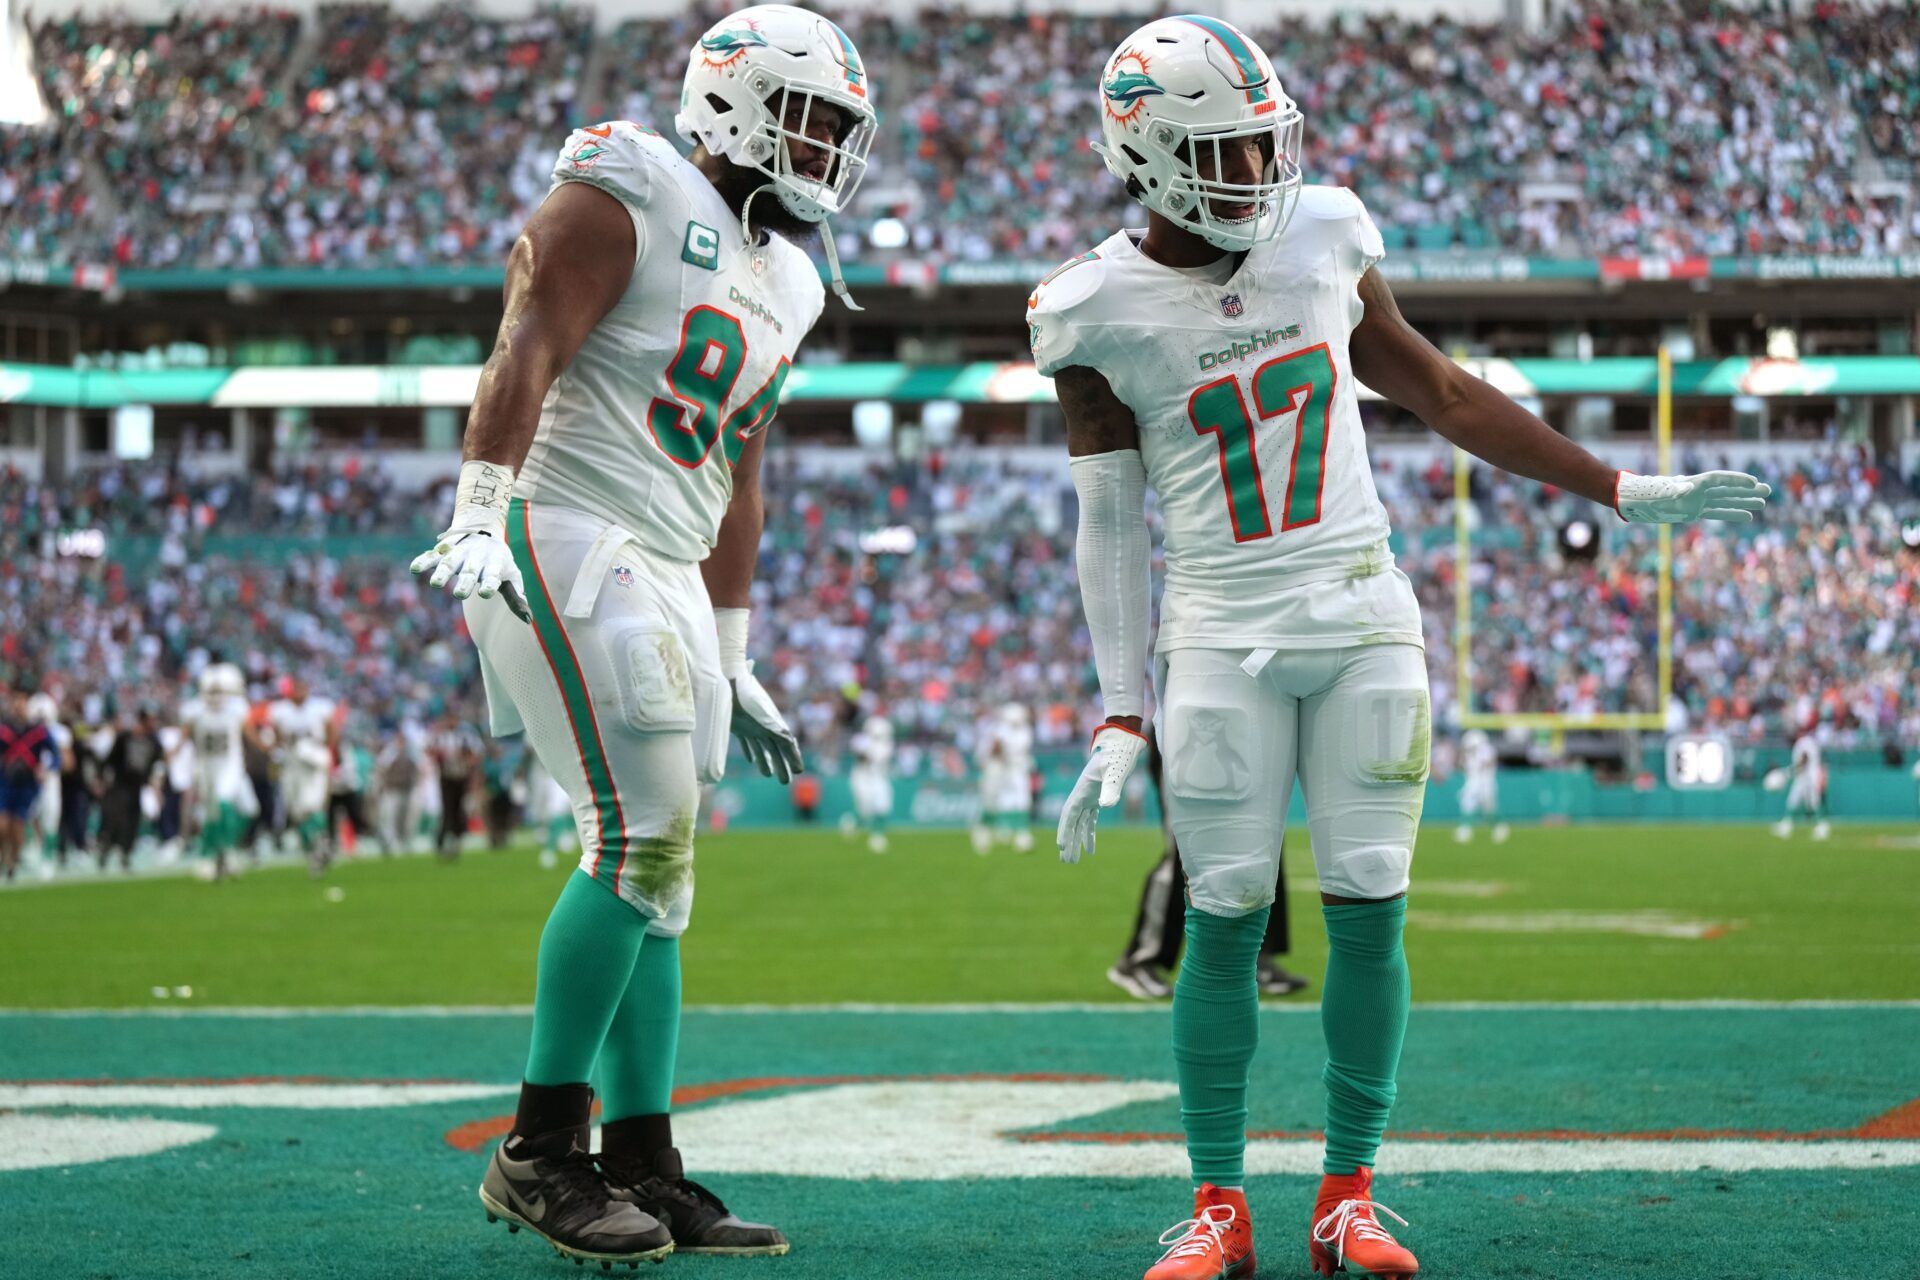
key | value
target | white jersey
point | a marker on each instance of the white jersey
(300, 727)
(873, 751)
(1806, 758)
(1249, 429)
(643, 428)
(1478, 758)
(216, 734)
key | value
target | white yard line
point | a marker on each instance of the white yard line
(184, 1010)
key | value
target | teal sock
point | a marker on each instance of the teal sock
(636, 1062)
(1216, 1027)
(1363, 1011)
(587, 953)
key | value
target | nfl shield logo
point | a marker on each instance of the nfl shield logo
(623, 575)
(1230, 305)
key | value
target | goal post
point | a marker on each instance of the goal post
(1556, 721)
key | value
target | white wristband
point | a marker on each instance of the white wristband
(731, 626)
(487, 486)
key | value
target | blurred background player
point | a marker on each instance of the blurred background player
(223, 796)
(1144, 967)
(605, 534)
(1479, 789)
(871, 780)
(49, 812)
(130, 763)
(1806, 787)
(305, 739)
(347, 785)
(551, 811)
(1005, 764)
(398, 774)
(27, 758)
(455, 752)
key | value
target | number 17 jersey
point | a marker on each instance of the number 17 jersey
(1249, 429)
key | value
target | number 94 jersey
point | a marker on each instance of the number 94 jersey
(1249, 429)
(643, 428)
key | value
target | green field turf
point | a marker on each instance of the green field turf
(1595, 913)
(1548, 1140)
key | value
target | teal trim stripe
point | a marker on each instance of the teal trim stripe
(1238, 49)
(854, 69)
(573, 695)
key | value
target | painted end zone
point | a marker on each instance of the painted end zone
(348, 1146)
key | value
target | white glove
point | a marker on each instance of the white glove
(1712, 495)
(765, 737)
(1116, 750)
(763, 732)
(472, 554)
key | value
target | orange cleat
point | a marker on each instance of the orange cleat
(1216, 1243)
(1347, 1237)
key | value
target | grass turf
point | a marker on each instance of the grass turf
(1593, 913)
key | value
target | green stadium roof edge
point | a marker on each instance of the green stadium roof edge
(983, 382)
(1435, 267)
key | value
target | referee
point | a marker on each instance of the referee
(1159, 926)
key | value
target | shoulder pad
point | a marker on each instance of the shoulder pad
(620, 157)
(1057, 312)
(1328, 203)
(1339, 204)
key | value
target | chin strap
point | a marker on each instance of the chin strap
(834, 278)
(833, 267)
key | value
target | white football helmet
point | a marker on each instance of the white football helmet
(1171, 95)
(879, 727)
(42, 709)
(740, 80)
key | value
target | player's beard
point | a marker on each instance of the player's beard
(737, 182)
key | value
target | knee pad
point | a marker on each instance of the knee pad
(1229, 857)
(1368, 870)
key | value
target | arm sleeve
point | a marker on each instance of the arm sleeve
(1112, 554)
(613, 158)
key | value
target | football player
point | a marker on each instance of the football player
(1479, 791)
(47, 814)
(871, 780)
(604, 535)
(305, 737)
(1806, 787)
(1215, 356)
(223, 798)
(1006, 782)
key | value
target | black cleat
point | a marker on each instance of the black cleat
(695, 1216)
(1140, 980)
(565, 1200)
(1276, 981)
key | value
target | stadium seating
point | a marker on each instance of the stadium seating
(1617, 128)
(984, 608)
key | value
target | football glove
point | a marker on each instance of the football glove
(765, 738)
(1712, 495)
(472, 553)
(1116, 751)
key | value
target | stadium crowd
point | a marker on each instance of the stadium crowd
(1617, 127)
(937, 592)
